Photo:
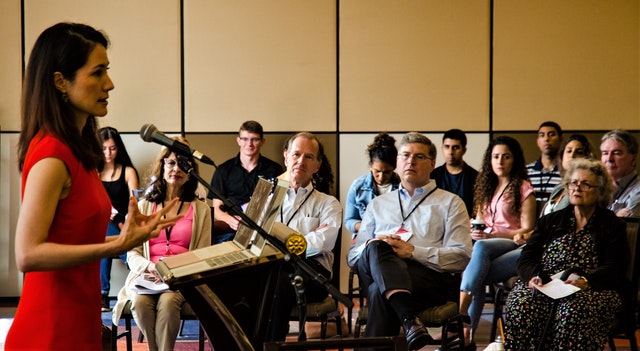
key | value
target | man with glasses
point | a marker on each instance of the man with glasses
(619, 151)
(410, 243)
(236, 178)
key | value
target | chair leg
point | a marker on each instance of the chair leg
(632, 341)
(323, 328)
(128, 336)
(497, 313)
(200, 337)
(114, 337)
(612, 344)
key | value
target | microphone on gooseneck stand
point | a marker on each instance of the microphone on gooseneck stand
(151, 134)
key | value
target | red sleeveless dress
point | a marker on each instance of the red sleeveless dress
(60, 309)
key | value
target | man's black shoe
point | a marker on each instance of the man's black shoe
(417, 335)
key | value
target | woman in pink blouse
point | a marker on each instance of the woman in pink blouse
(158, 315)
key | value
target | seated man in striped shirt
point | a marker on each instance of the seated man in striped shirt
(544, 173)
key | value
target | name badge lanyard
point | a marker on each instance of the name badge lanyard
(619, 193)
(297, 209)
(404, 218)
(494, 211)
(168, 230)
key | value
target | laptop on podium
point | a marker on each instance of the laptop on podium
(247, 245)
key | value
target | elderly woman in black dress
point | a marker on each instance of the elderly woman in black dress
(585, 238)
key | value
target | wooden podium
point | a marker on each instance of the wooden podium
(232, 303)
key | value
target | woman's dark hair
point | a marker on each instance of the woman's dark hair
(323, 179)
(157, 183)
(64, 48)
(582, 140)
(487, 180)
(122, 156)
(384, 149)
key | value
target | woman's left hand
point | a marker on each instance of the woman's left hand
(478, 235)
(521, 238)
(581, 283)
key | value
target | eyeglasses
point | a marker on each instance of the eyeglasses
(418, 157)
(170, 163)
(252, 140)
(583, 186)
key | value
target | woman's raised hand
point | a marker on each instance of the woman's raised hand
(139, 228)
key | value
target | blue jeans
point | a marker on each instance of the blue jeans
(105, 263)
(492, 261)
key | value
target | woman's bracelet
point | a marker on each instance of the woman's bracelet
(585, 279)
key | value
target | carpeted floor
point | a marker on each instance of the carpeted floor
(188, 341)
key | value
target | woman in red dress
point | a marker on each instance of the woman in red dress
(60, 235)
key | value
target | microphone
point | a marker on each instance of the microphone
(151, 134)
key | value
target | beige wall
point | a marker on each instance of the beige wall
(343, 69)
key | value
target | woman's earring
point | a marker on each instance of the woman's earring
(65, 97)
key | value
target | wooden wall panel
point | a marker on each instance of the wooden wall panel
(11, 62)
(144, 54)
(414, 65)
(575, 62)
(271, 61)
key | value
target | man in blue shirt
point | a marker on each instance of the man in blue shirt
(410, 243)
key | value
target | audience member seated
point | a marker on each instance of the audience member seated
(544, 173)
(455, 175)
(315, 215)
(120, 178)
(574, 147)
(409, 243)
(585, 238)
(619, 151)
(236, 178)
(381, 179)
(505, 201)
(158, 315)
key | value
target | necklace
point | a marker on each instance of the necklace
(494, 211)
(167, 251)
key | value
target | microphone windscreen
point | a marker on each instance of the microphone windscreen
(147, 131)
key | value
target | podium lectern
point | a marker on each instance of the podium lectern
(232, 303)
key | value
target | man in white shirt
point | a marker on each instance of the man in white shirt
(315, 215)
(619, 152)
(410, 242)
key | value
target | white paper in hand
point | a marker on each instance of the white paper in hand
(402, 233)
(145, 284)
